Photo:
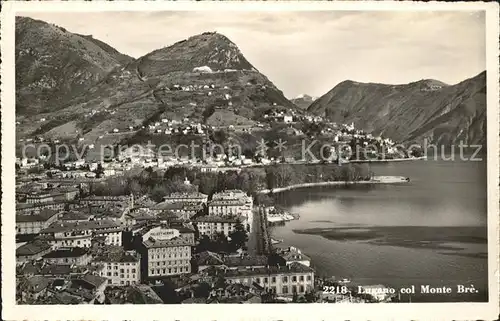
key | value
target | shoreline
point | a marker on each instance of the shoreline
(374, 180)
(388, 160)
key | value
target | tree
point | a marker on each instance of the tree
(207, 183)
(221, 282)
(271, 177)
(99, 171)
(264, 199)
(204, 244)
(158, 192)
(310, 296)
(221, 243)
(175, 173)
(167, 293)
(202, 290)
(275, 259)
(219, 137)
(239, 237)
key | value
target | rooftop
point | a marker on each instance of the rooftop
(22, 206)
(293, 254)
(42, 216)
(240, 261)
(217, 219)
(116, 255)
(208, 258)
(88, 281)
(69, 252)
(176, 241)
(186, 195)
(58, 227)
(223, 202)
(34, 284)
(74, 216)
(32, 248)
(177, 206)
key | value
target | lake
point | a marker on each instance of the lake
(429, 231)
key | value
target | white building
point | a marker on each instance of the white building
(210, 225)
(34, 223)
(230, 203)
(166, 252)
(186, 197)
(81, 234)
(120, 267)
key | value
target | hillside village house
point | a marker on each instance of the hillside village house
(287, 119)
(80, 234)
(34, 223)
(165, 252)
(121, 268)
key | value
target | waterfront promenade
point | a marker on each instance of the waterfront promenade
(374, 180)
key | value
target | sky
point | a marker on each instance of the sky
(309, 52)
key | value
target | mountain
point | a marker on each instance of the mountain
(205, 78)
(54, 65)
(303, 101)
(426, 109)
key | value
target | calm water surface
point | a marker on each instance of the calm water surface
(439, 194)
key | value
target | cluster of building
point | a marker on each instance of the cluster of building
(73, 248)
(185, 127)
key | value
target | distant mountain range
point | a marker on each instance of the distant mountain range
(69, 84)
(426, 109)
(303, 101)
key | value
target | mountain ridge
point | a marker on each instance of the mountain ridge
(189, 79)
(424, 109)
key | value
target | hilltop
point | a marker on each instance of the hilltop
(54, 65)
(102, 89)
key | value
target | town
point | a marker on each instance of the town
(147, 228)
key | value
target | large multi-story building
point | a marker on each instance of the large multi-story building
(23, 208)
(293, 254)
(183, 210)
(32, 251)
(127, 200)
(120, 267)
(232, 202)
(35, 222)
(225, 207)
(81, 234)
(165, 252)
(283, 280)
(186, 198)
(57, 194)
(210, 225)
